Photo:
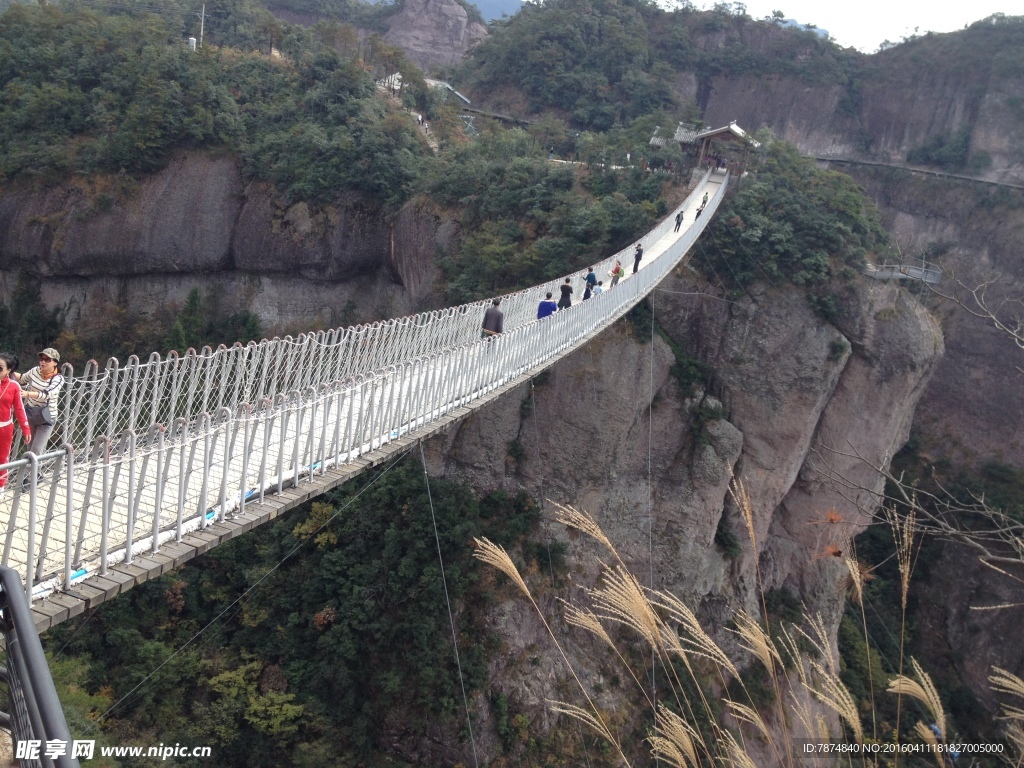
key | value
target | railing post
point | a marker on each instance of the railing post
(159, 500)
(69, 463)
(132, 501)
(228, 424)
(204, 491)
(105, 506)
(37, 714)
(298, 438)
(33, 470)
(244, 483)
(268, 426)
(182, 432)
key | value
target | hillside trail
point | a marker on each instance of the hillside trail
(422, 124)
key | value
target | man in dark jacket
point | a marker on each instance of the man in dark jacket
(493, 320)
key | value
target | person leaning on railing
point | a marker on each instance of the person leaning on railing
(40, 389)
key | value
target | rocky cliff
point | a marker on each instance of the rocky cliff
(434, 33)
(971, 410)
(884, 105)
(197, 222)
(807, 408)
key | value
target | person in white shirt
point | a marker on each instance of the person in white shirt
(40, 391)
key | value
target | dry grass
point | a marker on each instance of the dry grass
(922, 689)
(742, 499)
(675, 740)
(831, 692)
(755, 640)
(663, 621)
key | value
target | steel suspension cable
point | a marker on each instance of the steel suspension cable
(451, 618)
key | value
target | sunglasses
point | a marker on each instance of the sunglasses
(45, 359)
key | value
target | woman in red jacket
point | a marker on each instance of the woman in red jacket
(10, 408)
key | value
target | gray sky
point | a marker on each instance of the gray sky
(865, 24)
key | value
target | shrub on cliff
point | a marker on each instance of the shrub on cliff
(791, 222)
(530, 220)
(605, 62)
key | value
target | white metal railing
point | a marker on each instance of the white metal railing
(171, 446)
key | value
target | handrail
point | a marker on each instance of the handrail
(109, 399)
(82, 510)
(36, 713)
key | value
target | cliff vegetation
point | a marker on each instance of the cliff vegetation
(83, 92)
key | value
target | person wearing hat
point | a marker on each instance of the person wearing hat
(40, 391)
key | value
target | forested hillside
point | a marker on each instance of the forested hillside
(84, 92)
(604, 62)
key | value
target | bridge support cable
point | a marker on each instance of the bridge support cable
(448, 602)
(133, 494)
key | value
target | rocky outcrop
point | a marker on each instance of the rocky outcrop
(179, 220)
(146, 243)
(971, 410)
(434, 33)
(803, 403)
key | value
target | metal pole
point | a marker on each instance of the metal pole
(202, 24)
(24, 648)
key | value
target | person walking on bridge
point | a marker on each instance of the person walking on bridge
(11, 409)
(616, 273)
(638, 254)
(565, 301)
(494, 320)
(546, 307)
(679, 221)
(704, 201)
(40, 389)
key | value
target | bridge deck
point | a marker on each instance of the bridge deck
(191, 485)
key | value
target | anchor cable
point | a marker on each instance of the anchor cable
(448, 601)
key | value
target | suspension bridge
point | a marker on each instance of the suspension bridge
(164, 459)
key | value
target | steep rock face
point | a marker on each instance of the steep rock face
(957, 623)
(815, 403)
(72, 229)
(802, 401)
(420, 233)
(335, 244)
(971, 410)
(434, 33)
(897, 100)
(145, 244)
